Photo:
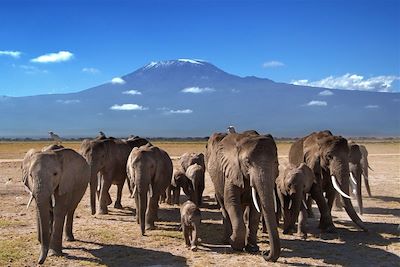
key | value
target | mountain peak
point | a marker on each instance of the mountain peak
(176, 62)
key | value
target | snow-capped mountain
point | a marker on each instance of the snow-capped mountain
(189, 97)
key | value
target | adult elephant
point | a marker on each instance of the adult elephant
(57, 179)
(243, 168)
(292, 188)
(365, 166)
(188, 159)
(149, 170)
(328, 156)
(107, 156)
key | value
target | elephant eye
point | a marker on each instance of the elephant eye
(55, 173)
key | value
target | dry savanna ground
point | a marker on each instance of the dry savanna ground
(115, 240)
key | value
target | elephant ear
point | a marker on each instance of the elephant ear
(26, 163)
(231, 165)
(68, 172)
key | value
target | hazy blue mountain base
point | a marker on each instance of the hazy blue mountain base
(181, 98)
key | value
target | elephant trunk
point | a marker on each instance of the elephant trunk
(367, 185)
(142, 188)
(43, 213)
(296, 206)
(265, 192)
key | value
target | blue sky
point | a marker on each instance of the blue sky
(342, 44)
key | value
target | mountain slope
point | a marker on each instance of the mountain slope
(195, 98)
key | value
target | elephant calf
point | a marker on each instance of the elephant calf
(57, 179)
(179, 180)
(190, 221)
(292, 188)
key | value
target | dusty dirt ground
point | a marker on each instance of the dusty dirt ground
(115, 240)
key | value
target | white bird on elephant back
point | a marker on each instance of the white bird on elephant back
(231, 129)
(55, 137)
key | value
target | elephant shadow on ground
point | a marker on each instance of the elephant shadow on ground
(350, 253)
(120, 255)
(168, 213)
(375, 210)
(387, 198)
(352, 248)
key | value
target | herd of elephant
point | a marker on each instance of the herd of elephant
(242, 166)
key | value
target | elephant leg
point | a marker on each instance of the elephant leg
(176, 193)
(286, 216)
(338, 206)
(193, 238)
(151, 213)
(117, 203)
(56, 236)
(331, 196)
(68, 226)
(309, 202)
(169, 195)
(225, 220)
(234, 210)
(186, 234)
(104, 195)
(163, 197)
(137, 208)
(325, 222)
(302, 223)
(252, 228)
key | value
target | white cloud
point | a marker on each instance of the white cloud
(353, 82)
(128, 107)
(181, 111)
(132, 92)
(273, 64)
(372, 106)
(14, 54)
(317, 103)
(326, 93)
(68, 101)
(117, 80)
(90, 70)
(197, 90)
(54, 57)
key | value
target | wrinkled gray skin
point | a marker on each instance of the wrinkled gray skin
(190, 222)
(293, 187)
(365, 166)
(326, 155)
(149, 169)
(179, 180)
(107, 157)
(236, 163)
(195, 173)
(188, 159)
(65, 174)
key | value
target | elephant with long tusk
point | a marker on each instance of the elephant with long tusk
(328, 156)
(243, 168)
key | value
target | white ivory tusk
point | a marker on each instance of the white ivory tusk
(275, 204)
(254, 196)
(98, 183)
(29, 201)
(352, 178)
(133, 191)
(290, 204)
(53, 200)
(336, 186)
(304, 204)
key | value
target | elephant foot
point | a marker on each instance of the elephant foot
(330, 229)
(55, 252)
(302, 235)
(193, 248)
(69, 238)
(252, 248)
(103, 211)
(118, 205)
(150, 227)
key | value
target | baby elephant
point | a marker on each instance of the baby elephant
(292, 188)
(190, 220)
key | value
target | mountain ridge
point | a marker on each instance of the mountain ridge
(187, 97)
